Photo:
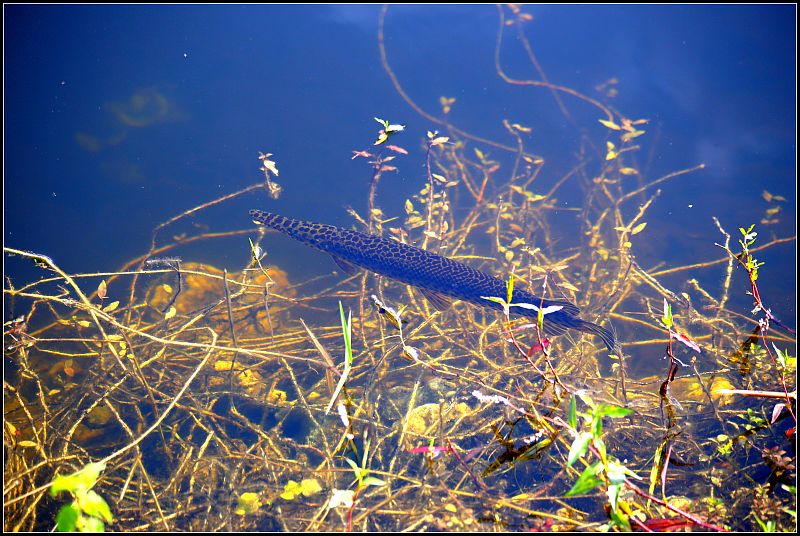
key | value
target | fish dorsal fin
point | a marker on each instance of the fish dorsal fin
(347, 267)
(439, 301)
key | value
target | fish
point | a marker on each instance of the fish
(439, 278)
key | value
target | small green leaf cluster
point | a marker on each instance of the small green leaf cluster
(388, 130)
(787, 362)
(607, 470)
(769, 525)
(247, 503)
(307, 487)
(667, 318)
(88, 510)
(507, 305)
(362, 472)
(750, 263)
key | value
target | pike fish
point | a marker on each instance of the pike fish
(440, 279)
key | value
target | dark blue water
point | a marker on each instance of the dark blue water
(119, 117)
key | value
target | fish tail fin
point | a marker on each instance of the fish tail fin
(608, 337)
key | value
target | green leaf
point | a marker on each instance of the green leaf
(656, 470)
(248, 503)
(613, 495)
(614, 412)
(67, 518)
(572, 418)
(501, 301)
(579, 447)
(504, 304)
(290, 490)
(597, 426)
(81, 480)
(667, 318)
(366, 454)
(586, 482)
(354, 465)
(510, 287)
(346, 331)
(348, 356)
(761, 524)
(90, 524)
(584, 396)
(309, 487)
(616, 472)
(63, 483)
(382, 137)
(94, 505)
(601, 449)
(780, 356)
(372, 481)
(102, 290)
(620, 521)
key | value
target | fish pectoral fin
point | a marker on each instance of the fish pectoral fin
(347, 267)
(439, 301)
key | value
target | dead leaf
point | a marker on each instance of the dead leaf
(610, 124)
(611, 153)
(102, 290)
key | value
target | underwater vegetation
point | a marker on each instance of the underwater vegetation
(172, 395)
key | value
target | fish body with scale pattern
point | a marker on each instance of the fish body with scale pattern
(439, 278)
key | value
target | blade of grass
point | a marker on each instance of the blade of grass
(348, 356)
